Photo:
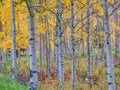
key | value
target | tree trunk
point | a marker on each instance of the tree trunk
(6, 54)
(40, 41)
(98, 43)
(116, 37)
(40, 54)
(82, 40)
(33, 72)
(60, 55)
(56, 48)
(72, 44)
(3, 63)
(110, 65)
(88, 43)
(47, 49)
(14, 63)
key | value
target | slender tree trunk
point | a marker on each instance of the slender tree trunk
(72, 45)
(60, 55)
(116, 37)
(6, 55)
(88, 43)
(98, 43)
(49, 47)
(50, 54)
(14, 62)
(99, 51)
(44, 47)
(83, 48)
(102, 54)
(56, 48)
(40, 54)
(33, 71)
(110, 65)
(47, 50)
(2, 59)
(40, 40)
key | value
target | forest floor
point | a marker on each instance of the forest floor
(99, 76)
(7, 84)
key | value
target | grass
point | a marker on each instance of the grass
(8, 84)
(50, 83)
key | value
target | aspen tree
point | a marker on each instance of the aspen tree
(14, 62)
(60, 55)
(88, 43)
(110, 65)
(33, 72)
(72, 44)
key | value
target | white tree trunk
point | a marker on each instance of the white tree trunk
(33, 72)
(60, 55)
(3, 64)
(47, 49)
(6, 54)
(14, 63)
(110, 65)
(98, 41)
(72, 44)
(116, 18)
(56, 48)
(88, 43)
(40, 54)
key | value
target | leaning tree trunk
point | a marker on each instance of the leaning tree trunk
(88, 43)
(33, 72)
(110, 67)
(60, 55)
(72, 44)
(14, 63)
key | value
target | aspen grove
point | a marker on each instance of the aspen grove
(59, 44)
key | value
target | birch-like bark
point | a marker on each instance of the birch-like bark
(60, 55)
(98, 43)
(82, 40)
(14, 62)
(44, 47)
(116, 35)
(50, 54)
(72, 44)
(40, 54)
(110, 65)
(3, 59)
(40, 41)
(83, 48)
(56, 48)
(33, 72)
(47, 49)
(88, 43)
(6, 54)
